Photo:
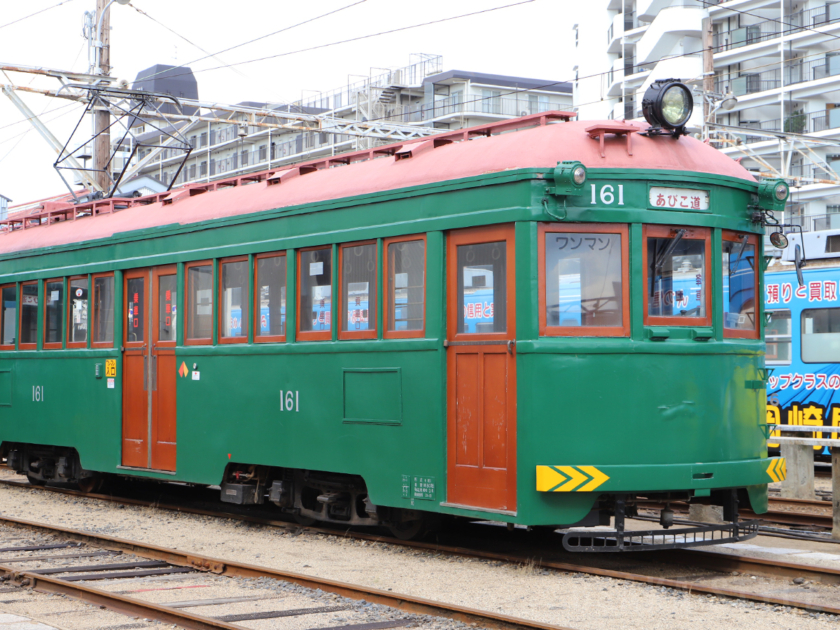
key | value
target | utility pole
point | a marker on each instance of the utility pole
(102, 118)
(708, 68)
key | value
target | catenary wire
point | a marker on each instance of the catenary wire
(26, 17)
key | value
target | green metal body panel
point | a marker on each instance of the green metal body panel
(650, 414)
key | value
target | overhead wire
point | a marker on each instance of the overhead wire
(26, 17)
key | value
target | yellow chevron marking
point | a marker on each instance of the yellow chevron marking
(598, 478)
(776, 469)
(781, 469)
(577, 478)
(548, 478)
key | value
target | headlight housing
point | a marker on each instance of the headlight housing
(668, 104)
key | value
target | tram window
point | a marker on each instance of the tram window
(54, 313)
(777, 333)
(358, 291)
(103, 311)
(405, 288)
(740, 275)
(77, 313)
(136, 313)
(270, 295)
(315, 273)
(200, 303)
(28, 315)
(677, 261)
(820, 335)
(583, 284)
(234, 301)
(167, 307)
(8, 316)
(482, 288)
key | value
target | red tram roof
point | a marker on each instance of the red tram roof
(432, 160)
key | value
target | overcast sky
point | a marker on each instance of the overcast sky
(529, 39)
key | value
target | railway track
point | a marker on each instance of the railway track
(702, 566)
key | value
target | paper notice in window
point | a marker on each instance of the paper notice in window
(316, 268)
(400, 280)
(53, 296)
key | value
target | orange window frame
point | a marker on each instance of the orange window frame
(752, 239)
(340, 306)
(586, 331)
(69, 316)
(54, 345)
(94, 328)
(312, 335)
(196, 341)
(33, 345)
(257, 309)
(692, 234)
(13, 285)
(220, 310)
(386, 295)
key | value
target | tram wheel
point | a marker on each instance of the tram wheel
(90, 484)
(34, 481)
(408, 530)
(306, 521)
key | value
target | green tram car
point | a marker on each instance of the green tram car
(538, 322)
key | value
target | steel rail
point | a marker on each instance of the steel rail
(706, 559)
(407, 603)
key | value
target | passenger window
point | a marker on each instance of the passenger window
(8, 317)
(270, 295)
(583, 280)
(676, 276)
(103, 311)
(54, 314)
(77, 314)
(28, 315)
(740, 278)
(405, 288)
(200, 303)
(777, 334)
(820, 335)
(482, 287)
(136, 313)
(167, 305)
(358, 291)
(234, 301)
(315, 273)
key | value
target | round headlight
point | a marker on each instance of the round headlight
(780, 191)
(676, 105)
(579, 175)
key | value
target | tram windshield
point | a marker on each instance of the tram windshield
(676, 277)
(739, 285)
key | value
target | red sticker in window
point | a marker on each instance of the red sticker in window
(136, 297)
(136, 323)
(168, 295)
(168, 321)
(168, 308)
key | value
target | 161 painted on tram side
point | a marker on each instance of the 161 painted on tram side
(510, 322)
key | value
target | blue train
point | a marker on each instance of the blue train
(803, 337)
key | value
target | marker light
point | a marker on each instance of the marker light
(668, 104)
(772, 194)
(569, 178)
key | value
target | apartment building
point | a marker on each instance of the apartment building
(779, 59)
(420, 93)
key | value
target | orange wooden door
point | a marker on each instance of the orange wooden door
(163, 369)
(135, 425)
(481, 369)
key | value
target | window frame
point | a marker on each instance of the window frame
(220, 309)
(312, 335)
(776, 338)
(802, 333)
(67, 314)
(32, 345)
(10, 346)
(54, 345)
(201, 341)
(386, 305)
(257, 308)
(372, 315)
(92, 328)
(695, 234)
(623, 230)
(734, 333)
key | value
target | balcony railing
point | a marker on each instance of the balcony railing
(495, 105)
(763, 31)
(813, 223)
(793, 73)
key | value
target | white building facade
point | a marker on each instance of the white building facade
(780, 60)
